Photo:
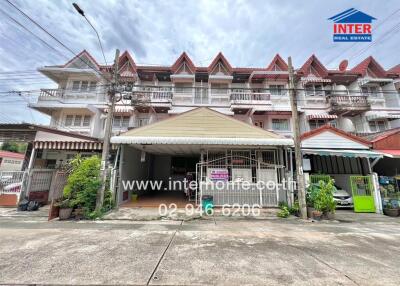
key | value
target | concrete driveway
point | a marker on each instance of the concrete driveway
(224, 251)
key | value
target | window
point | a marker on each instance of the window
(259, 123)
(183, 87)
(76, 85)
(121, 121)
(83, 85)
(314, 90)
(377, 125)
(86, 120)
(68, 120)
(276, 89)
(77, 120)
(219, 88)
(370, 91)
(280, 124)
(316, 123)
(142, 122)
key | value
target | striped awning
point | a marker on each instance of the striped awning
(321, 116)
(68, 145)
(380, 116)
(121, 109)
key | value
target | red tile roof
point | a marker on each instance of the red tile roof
(7, 154)
(316, 64)
(342, 133)
(370, 63)
(183, 58)
(220, 57)
(279, 62)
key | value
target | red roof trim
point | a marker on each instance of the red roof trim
(126, 57)
(220, 57)
(9, 154)
(395, 70)
(316, 64)
(277, 60)
(371, 63)
(183, 58)
(342, 133)
(84, 52)
(385, 135)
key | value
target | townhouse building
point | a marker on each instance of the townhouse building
(364, 99)
(183, 116)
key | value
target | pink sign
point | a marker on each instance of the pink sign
(219, 175)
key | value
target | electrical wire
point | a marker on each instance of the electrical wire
(56, 39)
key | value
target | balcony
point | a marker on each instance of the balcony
(67, 95)
(158, 98)
(348, 105)
(241, 102)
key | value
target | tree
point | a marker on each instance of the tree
(14, 147)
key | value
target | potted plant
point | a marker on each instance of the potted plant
(390, 210)
(312, 192)
(65, 209)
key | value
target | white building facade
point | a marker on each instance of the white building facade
(361, 100)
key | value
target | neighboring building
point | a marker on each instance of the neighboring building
(11, 161)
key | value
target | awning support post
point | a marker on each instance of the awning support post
(371, 165)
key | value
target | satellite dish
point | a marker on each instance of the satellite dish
(343, 65)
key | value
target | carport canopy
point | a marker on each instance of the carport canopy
(343, 153)
(201, 128)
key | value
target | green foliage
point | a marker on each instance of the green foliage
(14, 147)
(312, 193)
(323, 199)
(284, 212)
(83, 184)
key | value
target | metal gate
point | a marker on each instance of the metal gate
(240, 177)
(11, 183)
(363, 193)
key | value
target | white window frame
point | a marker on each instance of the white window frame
(286, 126)
(79, 85)
(259, 123)
(123, 121)
(311, 90)
(77, 120)
(277, 89)
(368, 90)
(374, 125)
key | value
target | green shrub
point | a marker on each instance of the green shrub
(323, 200)
(83, 184)
(284, 212)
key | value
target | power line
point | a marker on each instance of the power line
(33, 34)
(57, 40)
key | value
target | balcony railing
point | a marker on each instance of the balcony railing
(249, 97)
(46, 93)
(148, 97)
(66, 94)
(348, 104)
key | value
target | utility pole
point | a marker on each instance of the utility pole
(107, 135)
(297, 142)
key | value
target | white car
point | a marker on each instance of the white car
(342, 198)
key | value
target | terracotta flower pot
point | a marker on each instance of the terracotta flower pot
(65, 213)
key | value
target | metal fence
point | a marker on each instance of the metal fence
(240, 177)
(11, 182)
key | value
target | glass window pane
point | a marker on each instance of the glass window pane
(125, 121)
(280, 124)
(117, 121)
(86, 120)
(75, 85)
(84, 85)
(68, 120)
(77, 120)
(92, 86)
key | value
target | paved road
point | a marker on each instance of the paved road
(201, 252)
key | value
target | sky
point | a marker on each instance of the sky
(248, 32)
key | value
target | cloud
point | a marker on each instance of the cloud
(248, 32)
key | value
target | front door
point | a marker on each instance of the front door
(363, 194)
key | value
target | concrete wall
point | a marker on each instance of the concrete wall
(132, 168)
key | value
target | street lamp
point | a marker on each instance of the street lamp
(80, 11)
